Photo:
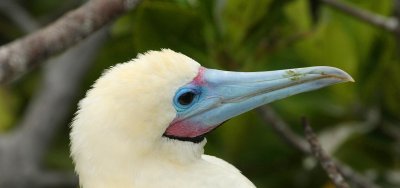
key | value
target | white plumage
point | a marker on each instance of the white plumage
(119, 137)
(116, 137)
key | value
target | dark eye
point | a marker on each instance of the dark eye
(186, 98)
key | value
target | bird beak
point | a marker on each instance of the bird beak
(227, 94)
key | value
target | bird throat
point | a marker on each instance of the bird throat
(196, 139)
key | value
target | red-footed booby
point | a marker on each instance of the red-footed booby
(143, 123)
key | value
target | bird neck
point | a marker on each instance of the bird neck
(123, 161)
(180, 152)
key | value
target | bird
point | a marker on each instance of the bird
(143, 122)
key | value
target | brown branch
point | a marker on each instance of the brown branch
(21, 55)
(57, 95)
(292, 139)
(389, 24)
(22, 150)
(326, 162)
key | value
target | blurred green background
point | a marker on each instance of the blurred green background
(358, 122)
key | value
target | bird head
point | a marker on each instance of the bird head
(163, 104)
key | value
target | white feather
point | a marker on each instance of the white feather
(116, 137)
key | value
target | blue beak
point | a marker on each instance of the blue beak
(220, 95)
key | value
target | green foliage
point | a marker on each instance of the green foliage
(252, 36)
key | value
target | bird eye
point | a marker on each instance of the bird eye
(186, 98)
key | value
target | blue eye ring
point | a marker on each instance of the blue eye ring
(185, 98)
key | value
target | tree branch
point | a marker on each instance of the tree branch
(323, 158)
(57, 95)
(21, 55)
(22, 150)
(389, 24)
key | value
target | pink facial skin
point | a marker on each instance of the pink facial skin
(184, 128)
(199, 79)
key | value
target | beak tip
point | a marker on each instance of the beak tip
(350, 79)
(336, 73)
(346, 77)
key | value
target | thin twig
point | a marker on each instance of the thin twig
(278, 124)
(390, 24)
(326, 162)
(21, 55)
(286, 134)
